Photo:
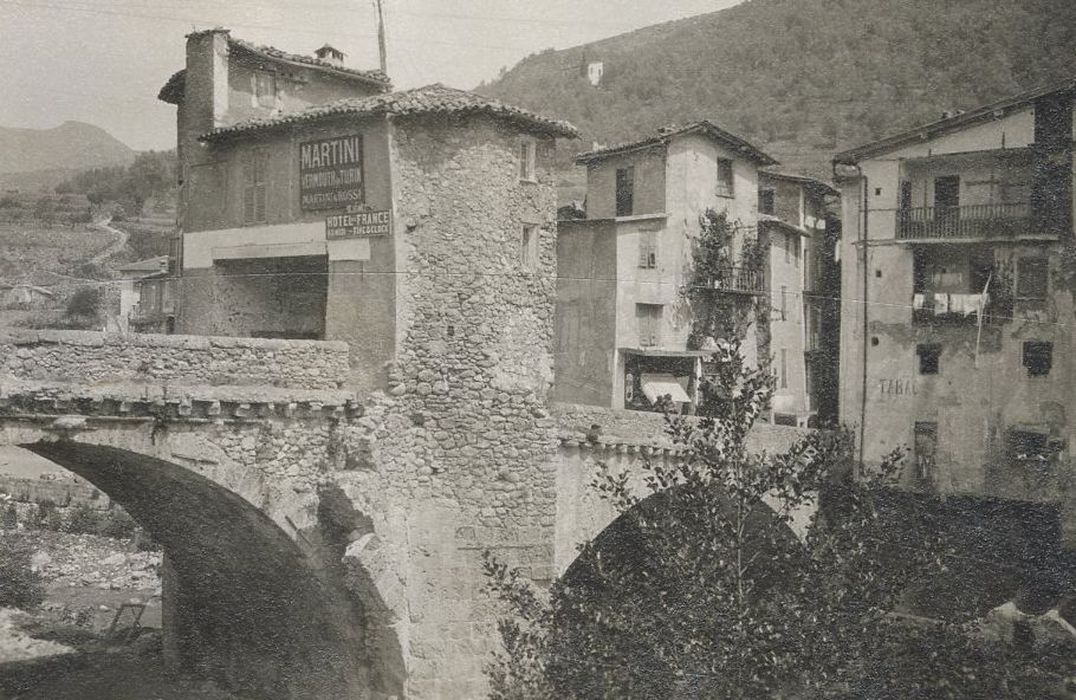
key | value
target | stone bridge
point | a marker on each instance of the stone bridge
(318, 543)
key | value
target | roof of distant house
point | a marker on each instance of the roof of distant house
(955, 122)
(172, 92)
(155, 264)
(820, 186)
(432, 99)
(730, 141)
(31, 287)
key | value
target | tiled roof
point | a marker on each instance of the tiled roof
(371, 76)
(811, 182)
(172, 92)
(994, 110)
(154, 264)
(432, 99)
(731, 141)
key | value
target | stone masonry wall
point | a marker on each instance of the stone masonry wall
(91, 357)
(458, 450)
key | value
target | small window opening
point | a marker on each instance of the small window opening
(1031, 278)
(724, 178)
(648, 249)
(528, 251)
(625, 191)
(929, 358)
(528, 151)
(1038, 358)
(766, 203)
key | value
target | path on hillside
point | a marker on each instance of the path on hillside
(118, 245)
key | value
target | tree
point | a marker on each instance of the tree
(701, 589)
(713, 264)
(20, 585)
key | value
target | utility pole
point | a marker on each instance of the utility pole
(381, 37)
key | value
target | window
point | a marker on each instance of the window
(625, 191)
(1034, 448)
(528, 249)
(784, 303)
(784, 368)
(265, 89)
(929, 358)
(946, 192)
(528, 156)
(766, 203)
(649, 319)
(788, 248)
(648, 249)
(724, 177)
(1038, 358)
(1031, 278)
(926, 446)
(255, 166)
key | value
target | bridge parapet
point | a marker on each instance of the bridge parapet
(87, 357)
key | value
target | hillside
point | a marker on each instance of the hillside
(70, 146)
(803, 78)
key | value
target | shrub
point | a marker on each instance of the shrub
(86, 301)
(20, 586)
(48, 516)
(11, 517)
(117, 524)
(83, 520)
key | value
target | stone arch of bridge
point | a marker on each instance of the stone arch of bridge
(245, 603)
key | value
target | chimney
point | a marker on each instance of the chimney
(331, 55)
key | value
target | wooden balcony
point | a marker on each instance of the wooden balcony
(967, 222)
(739, 280)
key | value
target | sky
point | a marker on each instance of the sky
(103, 61)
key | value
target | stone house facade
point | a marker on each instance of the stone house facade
(419, 227)
(958, 343)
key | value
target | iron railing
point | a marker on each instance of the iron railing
(739, 280)
(966, 221)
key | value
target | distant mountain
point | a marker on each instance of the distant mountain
(68, 147)
(803, 78)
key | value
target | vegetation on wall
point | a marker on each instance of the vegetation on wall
(714, 265)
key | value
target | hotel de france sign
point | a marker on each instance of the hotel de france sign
(331, 178)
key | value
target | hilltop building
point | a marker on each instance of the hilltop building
(626, 334)
(959, 340)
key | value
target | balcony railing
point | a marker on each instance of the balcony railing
(964, 222)
(739, 280)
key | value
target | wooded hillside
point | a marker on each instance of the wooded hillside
(803, 78)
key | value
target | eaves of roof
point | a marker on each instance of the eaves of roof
(812, 183)
(729, 140)
(985, 113)
(434, 99)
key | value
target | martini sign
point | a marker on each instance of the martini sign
(331, 173)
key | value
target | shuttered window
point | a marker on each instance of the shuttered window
(625, 191)
(724, 178)
(255, 172)
(649, 320)
(648, 249)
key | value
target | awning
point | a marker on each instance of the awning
(657, 385)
